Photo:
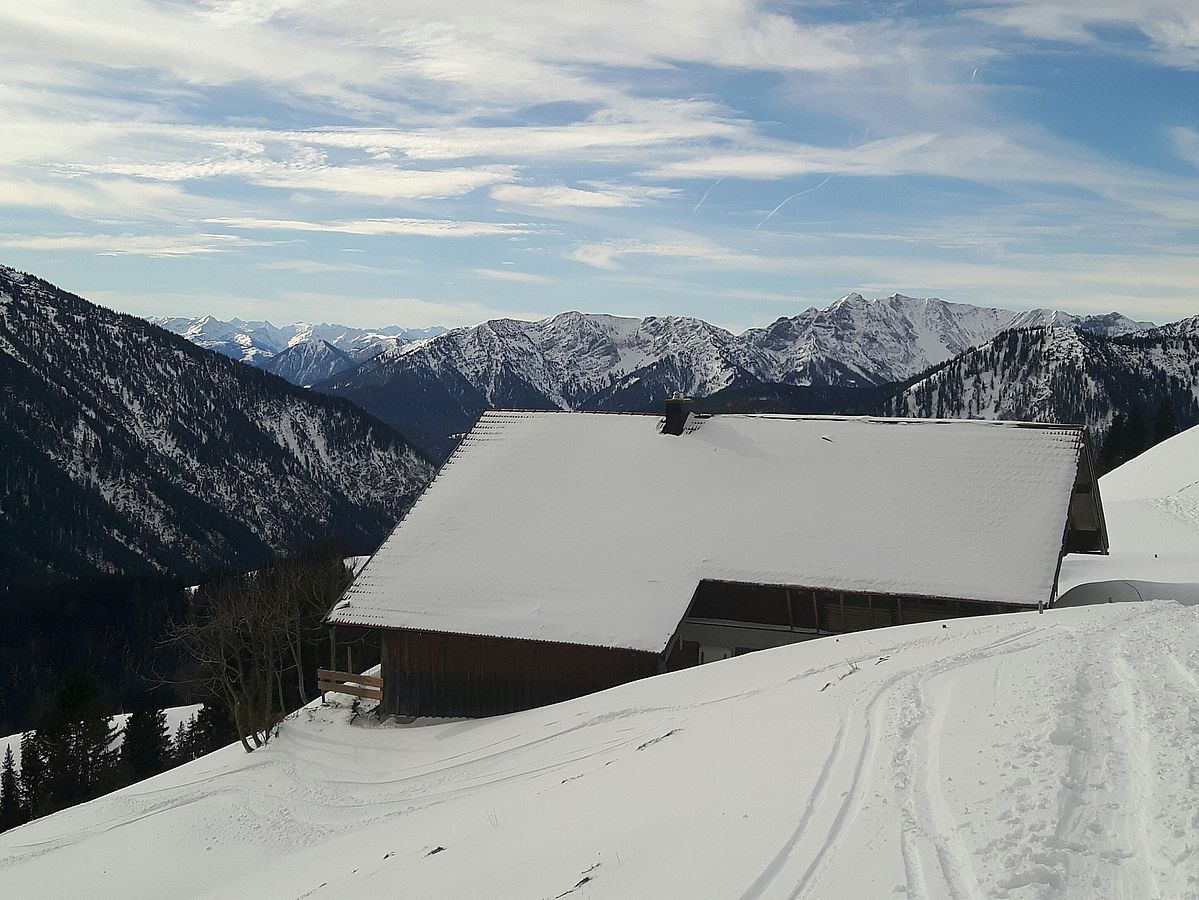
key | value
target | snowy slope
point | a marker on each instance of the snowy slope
(1018, 756)
(1152, 508)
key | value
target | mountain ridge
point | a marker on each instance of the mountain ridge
(260, 343)
(435, 388)
(1060, 374)
(128, 448)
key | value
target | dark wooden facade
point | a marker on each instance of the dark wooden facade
(428, 673)
(833, 612)
(805, 613)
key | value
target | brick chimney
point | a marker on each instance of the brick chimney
(678, 408)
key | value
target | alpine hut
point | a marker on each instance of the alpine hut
(559, 553)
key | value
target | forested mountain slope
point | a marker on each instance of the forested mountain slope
(1059, 374)
(125, 448)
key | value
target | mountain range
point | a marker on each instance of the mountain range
(818, 361)
(126, 448)
(127, 445)
(1060, 374)
(303, 353)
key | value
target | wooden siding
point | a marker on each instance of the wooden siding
(428, 673)
(807, 612)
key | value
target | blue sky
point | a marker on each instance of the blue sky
(423, 163)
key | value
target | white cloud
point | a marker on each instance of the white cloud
(121, 199)
(308, 171)
(413, 227)
(1186, 144)
(557, 195)
(133, 244)
(608, 254)
(1170, 26)
(602, 136)
(510, 275)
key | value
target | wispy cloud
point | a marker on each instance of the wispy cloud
(609, 254)
(134, 244)
(510, 275)
(1170, 27)
(596, 197)
(944, 139)
(1186, 144)
(412, 227)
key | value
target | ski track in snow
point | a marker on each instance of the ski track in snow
(1021, 756)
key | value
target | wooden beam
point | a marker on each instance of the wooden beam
(367, 693)
(330, 675)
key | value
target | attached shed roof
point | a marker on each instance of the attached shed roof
(594, 528)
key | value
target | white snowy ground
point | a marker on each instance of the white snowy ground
(1024, 756)
(1152, 509)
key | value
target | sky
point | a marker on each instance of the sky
(440, 163)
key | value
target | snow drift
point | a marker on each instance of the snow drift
(1152, 509)
(1022, 756)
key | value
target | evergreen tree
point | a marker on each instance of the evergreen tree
(1166, 424)
(180, 744)
(76, 741)
(1115, 444)
(33, 774)
(1138, 432)
(145, 749)
(211, 730)
(12, 810)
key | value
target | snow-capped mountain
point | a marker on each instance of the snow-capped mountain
(433, 390)
(127, 448)
(1111, 324)
(307, 362)
(258, 342)
(1182, 328)
(1061, 374)
(856, 340)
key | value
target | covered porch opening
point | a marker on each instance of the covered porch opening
(728, 618)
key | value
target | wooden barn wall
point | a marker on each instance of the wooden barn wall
(805, 612)
(435, 674)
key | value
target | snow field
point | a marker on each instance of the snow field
(1152, 508)
(1023, 756)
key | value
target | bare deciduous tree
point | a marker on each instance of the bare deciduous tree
(247, 636)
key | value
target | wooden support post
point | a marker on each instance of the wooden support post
(332, 653)
(816, 610)
(350, 658)
(790, 611)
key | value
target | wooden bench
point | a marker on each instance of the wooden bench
(368, 687)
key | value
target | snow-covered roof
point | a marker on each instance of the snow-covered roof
(595, 528)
